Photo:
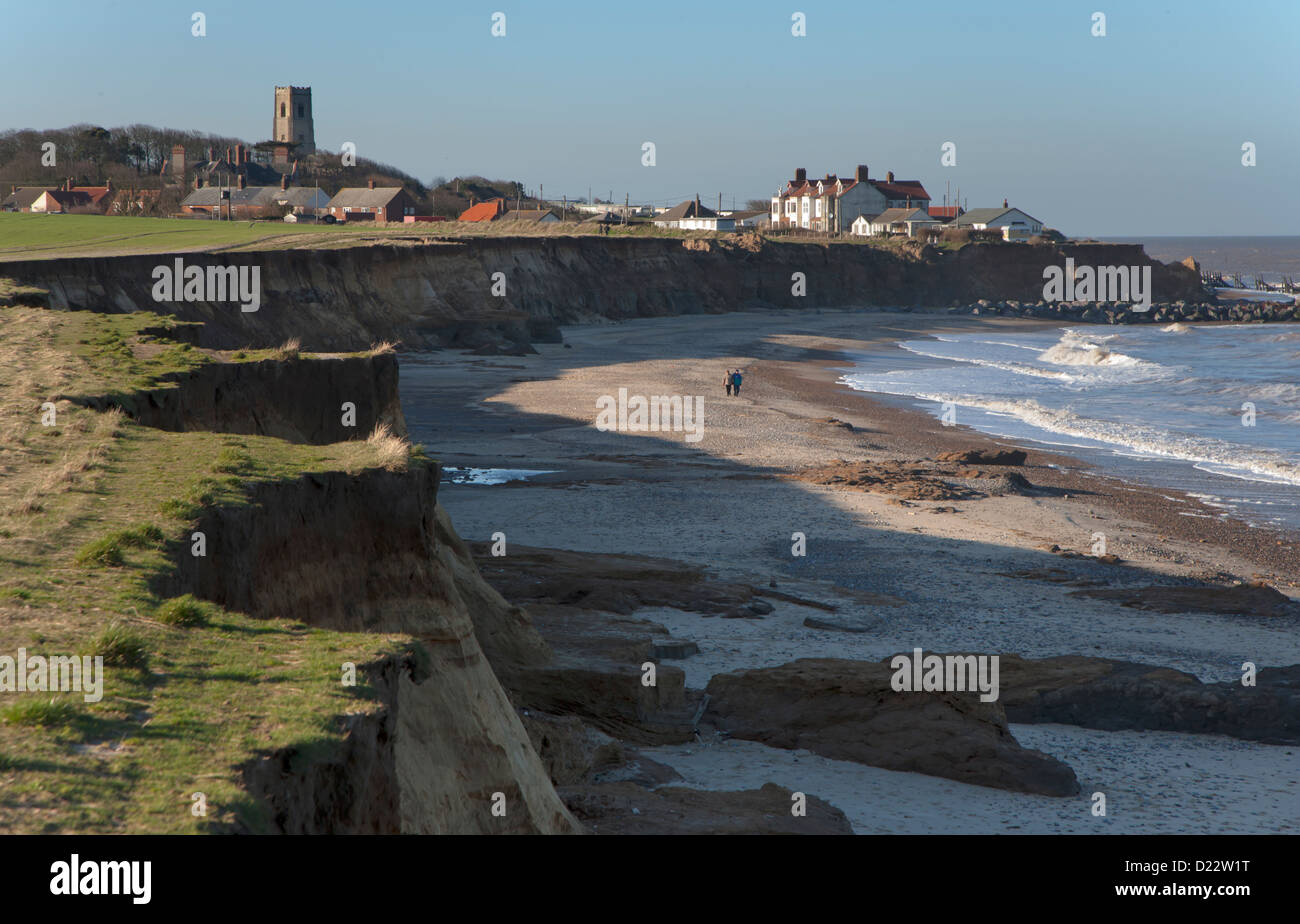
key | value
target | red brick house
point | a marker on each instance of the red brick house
(385, 203)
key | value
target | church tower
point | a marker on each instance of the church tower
(293, 121)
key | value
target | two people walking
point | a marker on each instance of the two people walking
(732, 381)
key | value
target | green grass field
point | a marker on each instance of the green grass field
(192, 691)
(26, 236)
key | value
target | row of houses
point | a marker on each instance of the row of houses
(864, 206)
(55, 200)
(299, 203)
(857, 205)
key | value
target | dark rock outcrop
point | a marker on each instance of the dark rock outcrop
(847, 710)
(1112, 695)
(624, 808)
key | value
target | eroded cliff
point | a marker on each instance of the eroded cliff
(442, 294)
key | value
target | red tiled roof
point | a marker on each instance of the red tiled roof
(69, 199)
(484, 211)
(901, 189)
(96, 193)
(943, 211)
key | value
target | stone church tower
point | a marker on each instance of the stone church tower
(293, 121)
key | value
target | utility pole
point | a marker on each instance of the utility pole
(626, 198)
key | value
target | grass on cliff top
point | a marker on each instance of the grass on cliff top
(191, 691)
(29, 237)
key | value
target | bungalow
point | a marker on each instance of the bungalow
(489, 210)
(832, 203)
(235, 202)
(895, 221)
(65, 198)
(1013, 223)
(244, 201)
(751, 218)
(692, 216)
(371, 203)
(530, 216)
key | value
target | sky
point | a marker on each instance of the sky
(1137, 132)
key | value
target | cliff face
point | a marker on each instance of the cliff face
(440, 294)
(373, 553)
(300, 400)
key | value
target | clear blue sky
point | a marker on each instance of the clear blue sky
(1139, 132)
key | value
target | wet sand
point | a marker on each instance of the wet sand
(973, 572)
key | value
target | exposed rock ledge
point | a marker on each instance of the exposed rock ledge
(846, 710)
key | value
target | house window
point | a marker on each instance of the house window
(817, 209)
(282, 110)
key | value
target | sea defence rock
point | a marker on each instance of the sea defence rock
(430, 294)
(847, 710)
(1112, 695)
(296, 399)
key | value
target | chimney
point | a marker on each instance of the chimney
(861, 173)
(239, 153)
(371, 184)
(1004, 204)
(284, 181)
(227, 155)
(889, 176)
(800, 175)
(697, 205)
(243, 181)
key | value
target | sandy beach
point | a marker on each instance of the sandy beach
(992, 565)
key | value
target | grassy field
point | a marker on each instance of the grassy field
(29, 237)
(191, 691)
(26, 236)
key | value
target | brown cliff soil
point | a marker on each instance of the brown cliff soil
(440, 294)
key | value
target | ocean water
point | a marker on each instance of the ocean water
(1269, 257)
(1164, 405)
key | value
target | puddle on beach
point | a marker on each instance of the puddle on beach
(451, 475)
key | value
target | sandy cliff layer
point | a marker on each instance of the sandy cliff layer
(371, 553)
(301, 400)
(441, 294)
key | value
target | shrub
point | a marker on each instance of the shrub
(119, 646)
(184, 611)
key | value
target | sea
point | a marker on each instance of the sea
(1210, 410)
(1268, 257)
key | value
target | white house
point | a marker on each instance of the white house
(900, 221)
(832, 203)
(749, 218)
(1013, 223)
(692, 216)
